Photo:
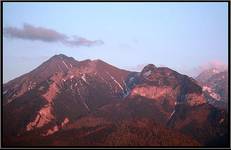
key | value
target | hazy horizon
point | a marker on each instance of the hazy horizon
(181, 36)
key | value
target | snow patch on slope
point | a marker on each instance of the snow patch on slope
(115, 81)
(172, 114)
(83, 77)
(59, 68)
(82, 100)
(146, 74)
(211, 93)
(65, 64)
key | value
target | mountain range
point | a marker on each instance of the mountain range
(65, 102)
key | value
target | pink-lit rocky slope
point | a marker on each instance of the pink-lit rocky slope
(65, 102)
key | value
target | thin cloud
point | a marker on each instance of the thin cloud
(137, 68)
(214, 64)
(195, 71)
(77, 41)
(29, 32)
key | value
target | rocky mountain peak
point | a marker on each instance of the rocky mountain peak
(149, 67)
(61, 57)
(148, 70)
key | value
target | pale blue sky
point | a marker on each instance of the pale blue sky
(181, 36)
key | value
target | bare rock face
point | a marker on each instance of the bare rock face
(163, 83)
(66, 88)
(153, 92)
(195, 99)
(44, 116)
